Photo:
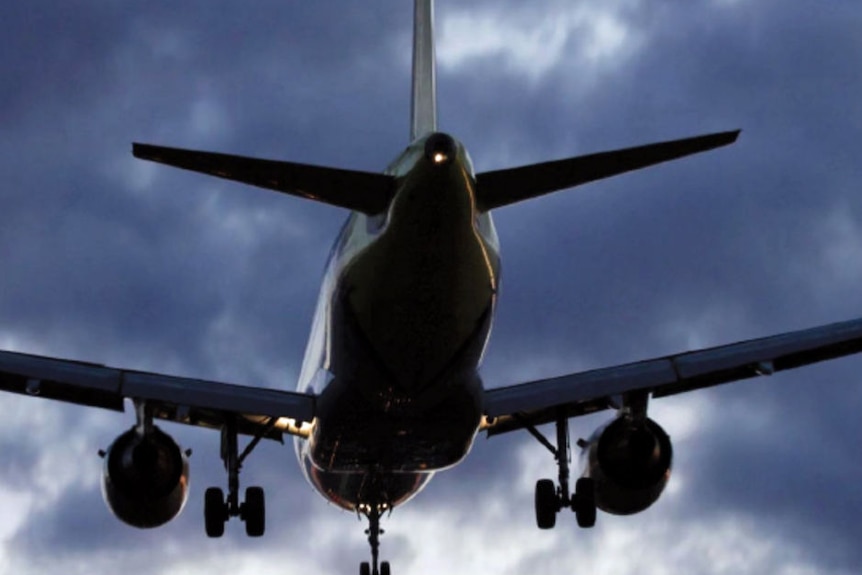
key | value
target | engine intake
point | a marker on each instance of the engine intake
(630, 463)
(145, 479)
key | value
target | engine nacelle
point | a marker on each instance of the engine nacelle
(146, 478)
(630, 464)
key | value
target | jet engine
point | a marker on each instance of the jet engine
(629, 461)
(146, 478)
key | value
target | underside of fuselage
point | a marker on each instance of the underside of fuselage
(390, 390)
(402, 323)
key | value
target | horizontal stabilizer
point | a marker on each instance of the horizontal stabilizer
(504, 187)
(360, 191)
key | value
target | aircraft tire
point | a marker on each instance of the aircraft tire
(546, 504)
(215, 513)
(254, 512)
(584, 503)
(365, 568)
(385, 569)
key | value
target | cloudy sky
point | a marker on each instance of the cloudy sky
(109, 259)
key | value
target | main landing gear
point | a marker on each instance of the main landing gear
(217, 508)
(551, 498)
(374, 532)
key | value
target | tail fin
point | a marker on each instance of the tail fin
(423, 111)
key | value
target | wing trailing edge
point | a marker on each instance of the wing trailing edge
(517, 406)
(359, 191)
(182, 400)
(503, 187)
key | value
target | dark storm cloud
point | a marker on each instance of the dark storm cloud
(732, 244)
(149, 267)
(165, 241)
(177, 270)
(717, 230)
(796, 476)
(168, 275)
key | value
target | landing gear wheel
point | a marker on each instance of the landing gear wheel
(584, 502)
(254, 512)
(365, 568)
(217, 508)
(215, 512)
(546, 504)
(551, 497)
(384, 568)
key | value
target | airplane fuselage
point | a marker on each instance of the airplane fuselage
(401, 325)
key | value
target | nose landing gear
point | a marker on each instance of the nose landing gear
(373, 513)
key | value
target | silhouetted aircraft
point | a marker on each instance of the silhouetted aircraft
(389, 391)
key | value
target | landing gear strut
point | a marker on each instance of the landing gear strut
(374, 532)
(551, 498)
(217, 508)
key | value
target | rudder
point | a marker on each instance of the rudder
(423, 110)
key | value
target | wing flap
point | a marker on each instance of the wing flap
(763, 356)
(70, 381)
(183, 400)
(360, 191)
(214, 396)
(503, 187)
(542, 401)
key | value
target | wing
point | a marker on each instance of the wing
(516, 406)
(183, 400)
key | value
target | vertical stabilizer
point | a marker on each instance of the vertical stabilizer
(423, 111)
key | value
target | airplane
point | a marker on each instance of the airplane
(390, 391)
